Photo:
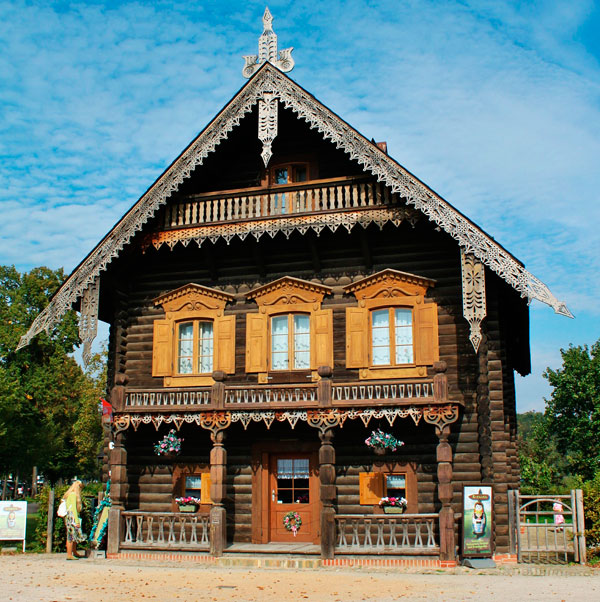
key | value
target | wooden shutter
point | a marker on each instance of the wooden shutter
(162, 348)
(357, 337)
(205, 489)
(225, 344)
(426, 344)
(321, 339)
(256, 343)
(371, 487)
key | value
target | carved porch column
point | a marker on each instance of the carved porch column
(218, 492)
(118, 492)
(328, 493)
(445, 490)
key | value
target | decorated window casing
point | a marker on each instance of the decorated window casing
(191, 481)
(195, 338)
(395, 479)
(393, 332)
(290, 332)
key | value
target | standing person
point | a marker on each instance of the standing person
(72, 499)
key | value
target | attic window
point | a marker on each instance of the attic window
(289, 173)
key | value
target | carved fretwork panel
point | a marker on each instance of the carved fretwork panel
(388, 284)
(289, 291)
(88, 319)
(473, 292)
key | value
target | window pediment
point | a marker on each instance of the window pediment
(288, 291)
(193, 297)
(389, 284)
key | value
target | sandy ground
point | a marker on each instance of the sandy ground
(53, 579)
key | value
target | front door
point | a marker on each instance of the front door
(293, 488)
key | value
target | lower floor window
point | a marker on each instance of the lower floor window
(292, 481)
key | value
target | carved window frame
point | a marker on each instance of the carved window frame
(287, 296)
(192, 303)
(390, 289)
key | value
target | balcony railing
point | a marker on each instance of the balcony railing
(325, 393)
(165, 530)
(307, 197)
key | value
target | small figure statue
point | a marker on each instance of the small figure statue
(479, 520)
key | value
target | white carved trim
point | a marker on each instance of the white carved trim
(473, 292)
(268, 79)
(267, 51)
(88, 319)
(267, 124)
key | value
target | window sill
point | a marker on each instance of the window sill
(392, 372)
(192, 380)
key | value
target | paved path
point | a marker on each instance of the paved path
(38, 577)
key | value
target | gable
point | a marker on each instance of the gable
(269, 83)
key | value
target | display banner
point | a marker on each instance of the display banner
(477, 521)
(13, 521)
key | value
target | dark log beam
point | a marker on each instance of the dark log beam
(445, 490)
(218, 492)
(365, 248)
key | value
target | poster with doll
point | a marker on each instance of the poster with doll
(477, 521)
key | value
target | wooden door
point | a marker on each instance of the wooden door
(293, 487)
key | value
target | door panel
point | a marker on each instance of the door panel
(293, 487)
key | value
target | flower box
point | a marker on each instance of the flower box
(188, 507)
(393, 510)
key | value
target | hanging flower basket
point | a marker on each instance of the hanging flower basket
(381, 442)
(169, 446)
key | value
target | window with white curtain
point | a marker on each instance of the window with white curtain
(392, 337)
(195, 347)
(290, 342)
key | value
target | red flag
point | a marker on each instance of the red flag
(106, 411)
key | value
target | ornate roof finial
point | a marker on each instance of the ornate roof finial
(267, 51)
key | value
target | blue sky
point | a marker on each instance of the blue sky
(495, 105)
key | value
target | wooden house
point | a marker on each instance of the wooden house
(282, 290)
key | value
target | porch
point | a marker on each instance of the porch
(355, 534)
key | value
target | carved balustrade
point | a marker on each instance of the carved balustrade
(165, 530)
(318, 196)
(407, 392)
(385, 533)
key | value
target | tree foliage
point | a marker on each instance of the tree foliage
(48, 405)
(573, 411)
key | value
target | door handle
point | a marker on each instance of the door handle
(273, 495)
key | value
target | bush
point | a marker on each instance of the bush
(591, 508)
(59, 537)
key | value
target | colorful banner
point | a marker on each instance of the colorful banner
(477, 521)
(13, 520)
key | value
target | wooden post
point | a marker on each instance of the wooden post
(324, 386)
(218, 493)
(512, 522)
(444, 472)
(34, 478)
(580, 526)
(217, 398)
(118, 492)
(518, 517)
(328, 493)
(440, 382)
(50, 524)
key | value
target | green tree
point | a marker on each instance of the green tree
(573, 411)
(43, 391)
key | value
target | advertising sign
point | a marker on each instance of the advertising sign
(477, 521)
(13, 520)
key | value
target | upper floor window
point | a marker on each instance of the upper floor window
(392, 337)
(195, 347)
(393, 332)
(300, 339)
(289, 174)
(290, 342)
(194, 338)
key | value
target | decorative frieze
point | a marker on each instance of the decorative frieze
(88, 319)
(438, 415)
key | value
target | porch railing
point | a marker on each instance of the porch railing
(272, 394)
(410, 533)
(317, 196)
(349, 392)
(165, 530)
(189, 397)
